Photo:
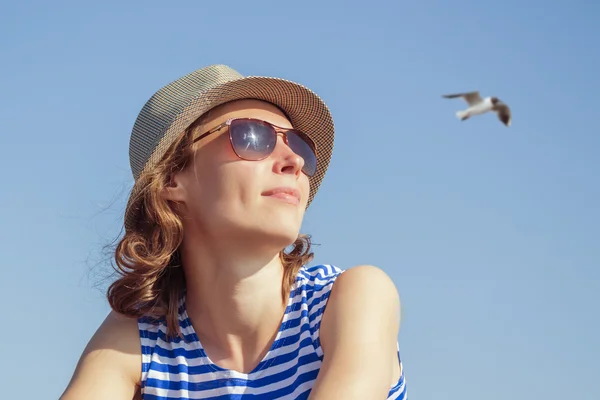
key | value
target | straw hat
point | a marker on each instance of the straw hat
(167, 114)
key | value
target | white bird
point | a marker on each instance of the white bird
(479, 105)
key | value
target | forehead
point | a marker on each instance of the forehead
(246, 108)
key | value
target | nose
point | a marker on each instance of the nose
(286, 161)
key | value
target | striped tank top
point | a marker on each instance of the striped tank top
(180, 369)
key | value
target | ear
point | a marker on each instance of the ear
(174, 190)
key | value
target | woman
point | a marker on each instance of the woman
(215, 299)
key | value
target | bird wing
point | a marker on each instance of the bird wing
(471, 98)
(503, 112)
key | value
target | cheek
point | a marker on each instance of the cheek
(210, 169)
(242, 180)
(230, 184)
(304, 186)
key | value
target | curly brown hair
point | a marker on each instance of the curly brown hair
(150, 282)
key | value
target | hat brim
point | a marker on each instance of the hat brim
(305, 109)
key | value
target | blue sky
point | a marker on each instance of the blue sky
(492, 234)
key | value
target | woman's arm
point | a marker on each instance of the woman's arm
(359, 333)
(110, 366)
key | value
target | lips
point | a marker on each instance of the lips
(287, 194)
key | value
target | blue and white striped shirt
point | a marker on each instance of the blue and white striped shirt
(178, 369)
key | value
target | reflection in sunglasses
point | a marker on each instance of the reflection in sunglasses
(251, 139)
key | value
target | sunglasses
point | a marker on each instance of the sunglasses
(254, 140)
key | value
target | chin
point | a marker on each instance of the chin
(275, 228)
(283, 225)
(281, 237)
(277, 232)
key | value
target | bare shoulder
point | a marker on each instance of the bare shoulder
(358, 335)
(364, 299)
(118, 330)
(369, 275)
(366, 283)
(110, 366)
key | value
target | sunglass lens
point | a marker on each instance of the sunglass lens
(300, 145)
(252, 140)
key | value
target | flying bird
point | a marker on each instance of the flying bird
(479, 105)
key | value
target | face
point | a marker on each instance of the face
(223, 197)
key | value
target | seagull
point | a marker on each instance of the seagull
(478, 105)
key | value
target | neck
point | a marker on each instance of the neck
(234, 297)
